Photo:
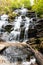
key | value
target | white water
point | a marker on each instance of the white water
(32, 61)
(20, 22)
(22, 11)
(4, 17)
(3, 23)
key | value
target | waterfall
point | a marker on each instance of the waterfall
(3, 22)
(17, 31)
(4, 17)
(21, 24)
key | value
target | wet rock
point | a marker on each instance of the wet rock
(39, 27)
(16, 54)
(32, 33)
(22, 33)
(13, 53)
(31, 14)
(8, 28)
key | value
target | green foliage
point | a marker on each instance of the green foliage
(9, 5)
(38, 7)
(26, 3)
(12, 16)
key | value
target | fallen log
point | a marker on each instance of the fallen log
(6, 44)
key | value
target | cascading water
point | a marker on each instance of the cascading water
(19, 32)
(20, 24)
(3, 22)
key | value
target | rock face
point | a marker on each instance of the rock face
(32, 33)
(31, 14)
(37, 31)
(39, 27)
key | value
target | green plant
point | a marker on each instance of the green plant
(9, 5)
(38, 7)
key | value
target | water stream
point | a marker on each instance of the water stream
(21, 25)
(16, 33)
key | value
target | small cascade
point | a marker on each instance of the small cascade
(23, 11)
(19, 27)
(4, 17)
(3, 23)
(14, 35)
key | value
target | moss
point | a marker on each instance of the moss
(12, 16)
(41, 16)
(41, 39)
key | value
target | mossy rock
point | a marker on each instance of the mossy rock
(12, 16)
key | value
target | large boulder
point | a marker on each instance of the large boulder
(15, 51)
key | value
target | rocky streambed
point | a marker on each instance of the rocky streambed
(13, 35)
(16, 54)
